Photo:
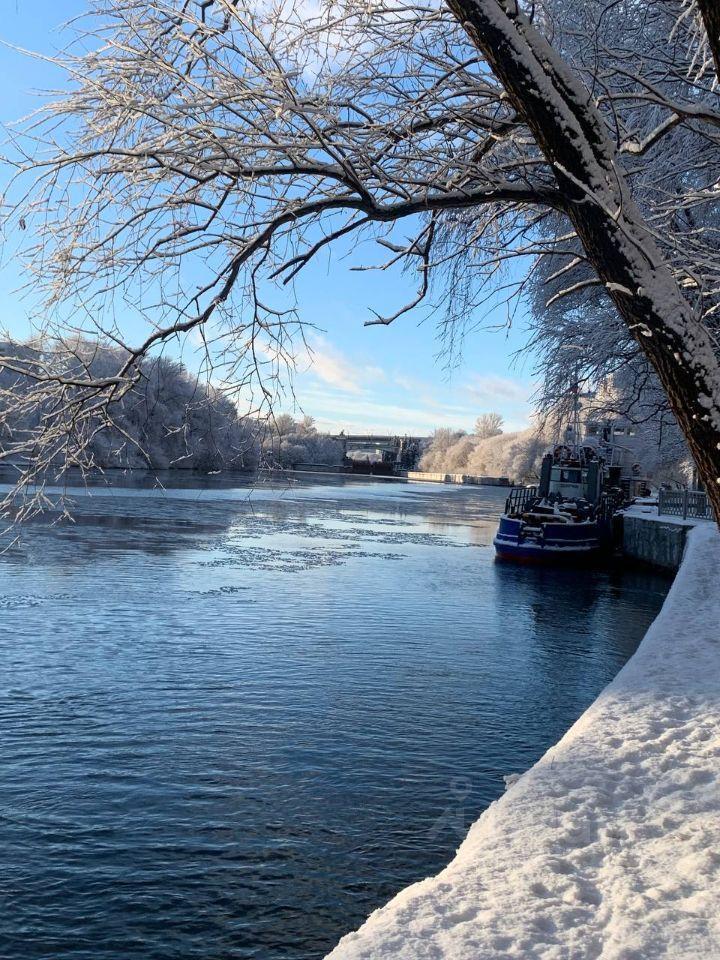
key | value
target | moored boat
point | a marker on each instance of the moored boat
(549, 531)
(568, 516)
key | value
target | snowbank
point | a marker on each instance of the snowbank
(609, 847)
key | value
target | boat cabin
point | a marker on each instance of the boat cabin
(570, 479)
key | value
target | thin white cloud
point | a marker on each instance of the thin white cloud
(329, 365)
(489, 388)
(410, 384)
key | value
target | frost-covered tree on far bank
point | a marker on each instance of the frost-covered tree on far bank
(516, 455)
(437, 455)
(168, 419)
(488, 425)
(209, 151)
(451, 451)
(288, 443)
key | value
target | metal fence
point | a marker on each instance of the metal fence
(688, 504)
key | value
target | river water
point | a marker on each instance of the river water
(234, 722)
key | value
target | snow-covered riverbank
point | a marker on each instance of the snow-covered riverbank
(609, 847)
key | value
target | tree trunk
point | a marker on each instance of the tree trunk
(574, 139)
(710, 12)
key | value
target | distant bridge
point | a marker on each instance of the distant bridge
(377, 439)
(402, 450)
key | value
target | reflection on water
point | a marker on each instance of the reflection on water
(234, 722)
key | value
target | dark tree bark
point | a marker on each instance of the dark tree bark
(710, 11)
(574, 139)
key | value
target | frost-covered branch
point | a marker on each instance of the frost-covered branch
(206, 153)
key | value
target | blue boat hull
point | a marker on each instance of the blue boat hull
(551, 543)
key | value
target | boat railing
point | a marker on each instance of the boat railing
(519, 498)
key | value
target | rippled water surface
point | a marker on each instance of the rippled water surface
(231, 725)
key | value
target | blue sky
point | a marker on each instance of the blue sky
(379, 378)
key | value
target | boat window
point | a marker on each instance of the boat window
(570, 476)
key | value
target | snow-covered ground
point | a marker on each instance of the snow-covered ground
(609, 847)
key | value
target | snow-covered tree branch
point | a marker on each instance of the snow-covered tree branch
(208, 152)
